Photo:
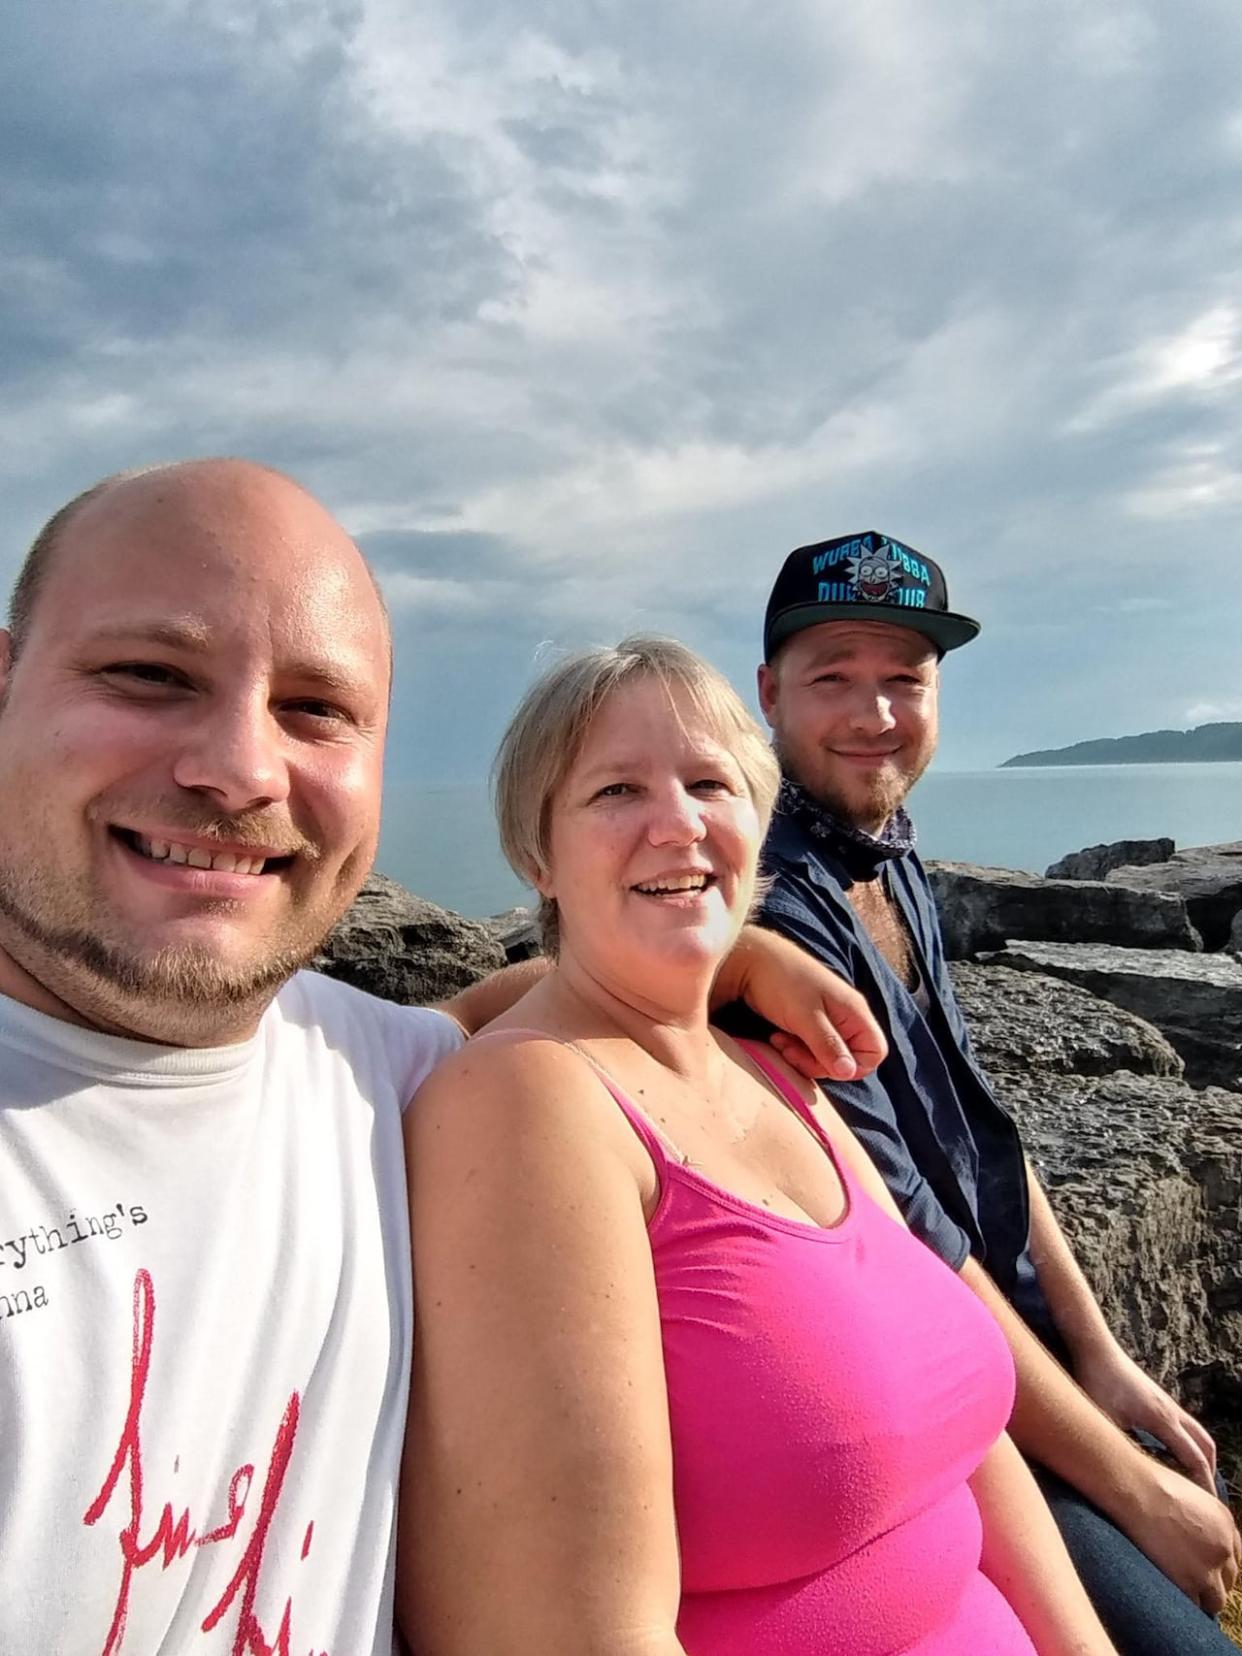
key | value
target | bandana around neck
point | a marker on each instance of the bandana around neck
(861, 852)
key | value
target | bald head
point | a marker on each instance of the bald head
(204, 487)
(202, 668)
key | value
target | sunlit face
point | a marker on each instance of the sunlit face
(654, 838)
(190, 752)
(853, 709)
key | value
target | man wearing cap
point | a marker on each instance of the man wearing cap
(853, 637)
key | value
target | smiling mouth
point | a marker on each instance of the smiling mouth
(676, 885)
(198, 856)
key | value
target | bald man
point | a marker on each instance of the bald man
(204, 1271)
(204, 1267)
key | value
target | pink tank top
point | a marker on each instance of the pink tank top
(830, 1392)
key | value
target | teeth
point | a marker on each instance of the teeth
(677, 882)
(195, 856)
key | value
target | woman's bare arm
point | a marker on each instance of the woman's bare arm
(1024, 1555)
(537, 1511)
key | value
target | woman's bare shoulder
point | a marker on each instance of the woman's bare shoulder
(517, 1096)
(500, 1072)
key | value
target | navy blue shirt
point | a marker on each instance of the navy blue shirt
(946, 1148)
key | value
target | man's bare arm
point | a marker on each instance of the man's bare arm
(479, 1003)
(1104, 1371)
(823, 1026)
(1180, 1527)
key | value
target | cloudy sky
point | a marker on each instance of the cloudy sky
(580, 316)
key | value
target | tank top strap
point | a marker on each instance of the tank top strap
(661, 1150)
(758, 1054)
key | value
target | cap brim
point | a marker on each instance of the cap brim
(946, 630)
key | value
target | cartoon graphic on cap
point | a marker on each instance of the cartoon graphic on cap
(875, 575)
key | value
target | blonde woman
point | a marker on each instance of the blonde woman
(683, 1382)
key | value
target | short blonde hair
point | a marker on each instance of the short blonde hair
(546, 734)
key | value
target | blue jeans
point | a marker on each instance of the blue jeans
(1143, 1612)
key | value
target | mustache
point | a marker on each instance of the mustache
(269, 831)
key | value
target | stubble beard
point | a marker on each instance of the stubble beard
(181, 994)
(873, 802)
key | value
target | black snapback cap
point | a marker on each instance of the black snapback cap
(865, 577)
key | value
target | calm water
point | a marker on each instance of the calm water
(441, 841)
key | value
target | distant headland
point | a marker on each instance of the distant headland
(1154, 747)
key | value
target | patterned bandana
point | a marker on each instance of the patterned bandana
(862, 853)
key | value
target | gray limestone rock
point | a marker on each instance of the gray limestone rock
(980, 907)
(1022, 1021)
(1194, 1000)
(405, 949)
(517, 931)
(1145, 1175)
(1207, 877)
(1094, 862)
(1143, 1172)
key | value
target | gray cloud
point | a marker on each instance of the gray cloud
(581, 319)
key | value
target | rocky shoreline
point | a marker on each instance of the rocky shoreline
(1105, 1001)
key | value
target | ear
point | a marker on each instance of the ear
(768, 688)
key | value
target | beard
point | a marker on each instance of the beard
(181, 994)
(869, 800)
